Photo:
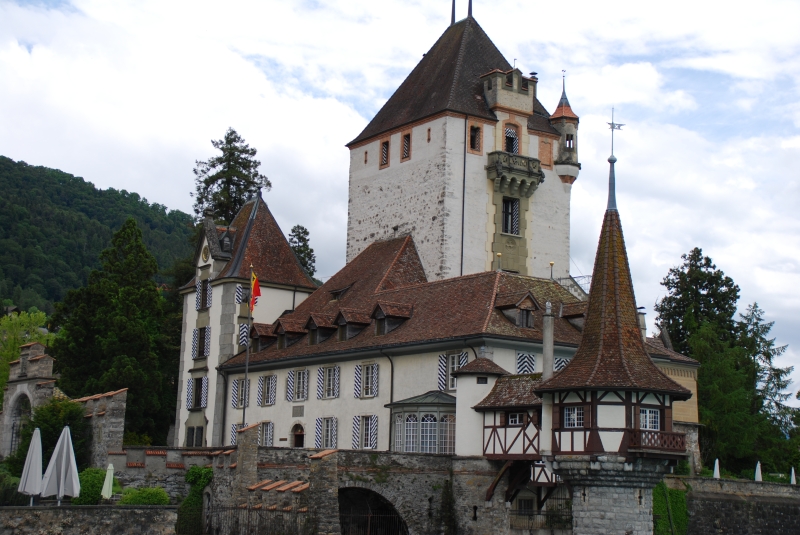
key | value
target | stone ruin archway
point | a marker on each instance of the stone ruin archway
(20, 415)
(365, 512)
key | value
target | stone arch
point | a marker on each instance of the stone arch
(298, 433)
(363, 510)
(20, 414)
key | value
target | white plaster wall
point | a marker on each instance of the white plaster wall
(273, 302)
(549, 225)
(612, 440)
(469, 422)
(611, 416)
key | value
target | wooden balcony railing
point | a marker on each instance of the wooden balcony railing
(657, 440)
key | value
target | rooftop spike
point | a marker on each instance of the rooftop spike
(469, 10)
(612, 195)
(453, 14)
(564, 101)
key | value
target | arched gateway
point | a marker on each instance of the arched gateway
(365, 512)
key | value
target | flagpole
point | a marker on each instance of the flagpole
(247, 349)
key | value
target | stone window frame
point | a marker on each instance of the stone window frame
(517, 127)
(512, 222)
(403, 134)
(388, 143)
(480, 127)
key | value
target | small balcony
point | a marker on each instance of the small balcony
(657, 440)
(514, 174)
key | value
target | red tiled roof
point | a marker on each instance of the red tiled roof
(262, 329)
(655, 346)
(611, 353)
(322, 320)
(481, 366)
(394, 310)
(355, 316)
(564, 110)
(289, 325)
(512, 391)
(262, 244)
(574, 310)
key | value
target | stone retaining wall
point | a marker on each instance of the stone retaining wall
(85, 520)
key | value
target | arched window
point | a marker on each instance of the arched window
(512, 140)
(298, 436)
(427, 443)
(20, 416)
(447, 434)
(412, 441)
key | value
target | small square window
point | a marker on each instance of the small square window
(525, 506)
(573, 417)
(483, 380)
(298, 411)
(650, 419)
(516, 418)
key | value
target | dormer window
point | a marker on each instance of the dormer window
(312, 337)
(342, 332)
(389, 316)
(512, 140)
(226, 244)
(281, 340)
(380, 326)
(524, 85)
(337, 294)
(525, 319)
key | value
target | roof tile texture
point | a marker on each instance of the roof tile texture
(512, 391)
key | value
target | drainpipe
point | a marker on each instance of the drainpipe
(391, 395)
(547, 342)
(464, 192)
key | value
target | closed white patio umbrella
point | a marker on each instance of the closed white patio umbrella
(108, 484)
(758, 471)
(31, 481)
(61, 477)
(793, 479)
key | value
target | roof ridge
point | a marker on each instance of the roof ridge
(440, 281)
(494, 297)
(459, 64)
(394, 261)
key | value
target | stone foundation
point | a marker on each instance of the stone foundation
(80, 520)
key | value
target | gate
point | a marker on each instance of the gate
(356, 523)
(251, 521)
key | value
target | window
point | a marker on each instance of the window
(242, 393)
(342, 332)
(398, 432)
(268, 383)
(510, 79)
(281, 340)
(429, 135)
(412, 444)
(516, 418)
(570, 141)
(202, 346)
(300, 385)
(512, 141)
(380, 326)
(366, 432)
(267, 433)
(384, 153)
(452, 366)
(511, 216)
(482, 380)
(525, 506)
(368, 388)
(312, 336)
(428, 432)
(328, 433)
(650, 419)
(366, 153)
(475, 138)
(573, 417)
(204, 286)
(525, 319)
(406, 147)
(197, 392)
(524, 84)
(330, 382)
(447, 434)
(194, 437)
(489, 84)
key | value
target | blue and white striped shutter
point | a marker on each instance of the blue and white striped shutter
(373, 431)
(208, 341)
(235, 393)
(233, 434)
(559, 364)
(290, 386)
(198, 295)
(526, 363)
(442, 379)
(273, 386)
(270, 434)
(375, 381)
(189, 392)
(305, 384)
(356, 432)
(318, 433)
(204, 393)
(515, 217)
(320, 380)
(208, 293)
(510, 132)
(336, 375)
(247, 393)
(194, 343)
(260, 391)
(334, 437)
(357, 382)
(243, 334)
(239, 294)
(462, 359)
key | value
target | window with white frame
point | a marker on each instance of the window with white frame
(268, 383)
(412, 441)
(573, 416)
(368, 386)
(300, 385)
(452, 366)
(447, 434)
(328, 433)
(330, 382)
(242, 393)
(427, 434)
(516, 418)
(366, 432)
(267, 434)
(398, 432)
(650, 419)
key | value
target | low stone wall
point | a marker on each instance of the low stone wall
(738, 487)
(85, 520)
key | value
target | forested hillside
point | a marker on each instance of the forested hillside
(53, 227)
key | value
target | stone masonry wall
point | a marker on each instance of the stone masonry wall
(84, 520)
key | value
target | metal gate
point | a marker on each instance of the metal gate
(251, 521)
(358, 523)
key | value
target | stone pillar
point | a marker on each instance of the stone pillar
(246, 473)
(547, 342)
(611, 496)
(323, 491)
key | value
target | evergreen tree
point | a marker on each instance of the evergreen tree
(225, 182)
(17, 330)
(298, 239)
(697, 286)
(111, 335)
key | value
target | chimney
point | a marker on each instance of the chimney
(642, 324)
(547, 342)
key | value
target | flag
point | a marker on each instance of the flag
(255, 290)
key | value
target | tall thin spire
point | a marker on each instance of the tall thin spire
(612, 194)
(469, 9)
(453, 14)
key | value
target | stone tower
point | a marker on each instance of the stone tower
(465, 158)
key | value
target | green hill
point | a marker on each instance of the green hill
(53, 226)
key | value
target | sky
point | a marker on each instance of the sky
(130, 94)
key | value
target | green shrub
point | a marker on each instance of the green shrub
(8, 489)
(683, 468)
(92, 480)
(190, 512)
(145, 496)
(677, 503)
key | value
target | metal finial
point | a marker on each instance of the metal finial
(453, 14)
(612, 194)
(614, 126)
(564, 101)
(469, 9)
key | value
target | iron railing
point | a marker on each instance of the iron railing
(359, 523)
(251, 521)
(557, 516)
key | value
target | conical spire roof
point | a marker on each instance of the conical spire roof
(611, 354)
(563, 109)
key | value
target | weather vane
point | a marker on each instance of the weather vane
(613, 126)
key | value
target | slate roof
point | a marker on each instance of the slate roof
(447, 79)
(563, 109)
(390, 272)
(655, 347)
(481, 366)
(433, 397)
(612, 353)
(512, 391)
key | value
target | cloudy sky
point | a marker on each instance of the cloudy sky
(129, 94)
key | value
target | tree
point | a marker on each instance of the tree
(17, 330)
(111, 334)
(697, 286)
(298, 239)
(225, 182)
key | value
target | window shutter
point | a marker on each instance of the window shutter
(336, 375)
(559, 364)
(502, 419)
(204, 393)
(290, 386)
(320, 381)
(247, 393)
(375, 381)
(233, 434)
(334, 438)
(243, 334)
(357, 383)
(260, 391)
(462, 359)
(515, 217)
(273, 386)
(239, 294)
(318, 433)
(208, 342)
(556, 417)
(356, 432)
(305, 384)
(208, 293)
(526, 363)
(587, 416)
(194, 343)
(198, 295)
(189, 392)
(373, 431)
(442, 379)
(235, 393)
(270, 434)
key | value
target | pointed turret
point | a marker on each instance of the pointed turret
(566, 122)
